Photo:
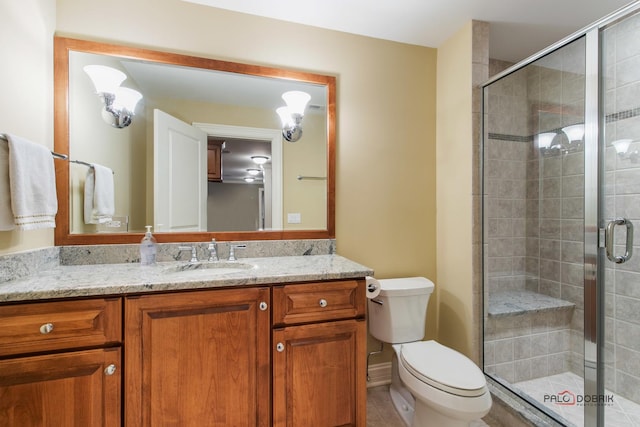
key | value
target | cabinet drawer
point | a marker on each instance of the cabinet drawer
(26, 328)
(314, 302)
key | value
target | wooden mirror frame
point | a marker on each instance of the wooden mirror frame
(62, 47)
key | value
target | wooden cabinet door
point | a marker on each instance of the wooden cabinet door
(198, 359)
(74, 389)
(319, 377)
(214, 160)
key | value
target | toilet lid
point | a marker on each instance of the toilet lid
(443, 368)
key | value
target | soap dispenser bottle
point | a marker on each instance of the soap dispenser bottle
(148, 248)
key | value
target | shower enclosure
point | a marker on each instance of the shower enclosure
(561, 194)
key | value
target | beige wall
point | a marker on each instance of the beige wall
(26, 83)
(454, 191)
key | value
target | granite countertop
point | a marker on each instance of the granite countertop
(68, 281)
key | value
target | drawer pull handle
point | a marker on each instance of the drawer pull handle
(110, 370)
(280, 347)
(263, 306)
(323, 303)
(47, 328)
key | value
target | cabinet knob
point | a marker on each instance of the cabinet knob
(46, 328)
(110, 370)
(263, 306)
(280, 347)
(322, 302)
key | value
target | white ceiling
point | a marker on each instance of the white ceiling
(519, 28)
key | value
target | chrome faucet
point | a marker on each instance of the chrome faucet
(213, 251)
(192, 248)
(232, 253)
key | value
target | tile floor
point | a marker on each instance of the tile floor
(381, 413)
(620, 412)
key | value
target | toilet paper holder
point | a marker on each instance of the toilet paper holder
(373, 290)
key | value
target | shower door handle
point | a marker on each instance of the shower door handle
(608, 240)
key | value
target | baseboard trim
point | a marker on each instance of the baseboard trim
(379, 374)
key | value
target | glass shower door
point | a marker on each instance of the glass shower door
(534, 181)
(620, 189)
(561, 196)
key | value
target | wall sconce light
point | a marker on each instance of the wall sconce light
(574, 132)
(119, 102)
(253, 172)
(292, 114)
(622, 149)
(249, 179)
(548, 144)
(259, 160)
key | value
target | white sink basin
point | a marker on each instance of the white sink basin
(209, 267)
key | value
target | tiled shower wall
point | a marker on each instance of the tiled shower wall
(506, 151)
(621, 47)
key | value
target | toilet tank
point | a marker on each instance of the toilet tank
(398, 313)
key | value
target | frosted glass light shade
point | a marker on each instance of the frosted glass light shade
(253, 172)
(296, 101)
(285, 116)
(545, 139)
(622, 145)
(105, 79)
(574, 132)
(126, 98)
(260, 160)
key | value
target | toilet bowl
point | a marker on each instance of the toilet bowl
(431, 384)
(449, 390)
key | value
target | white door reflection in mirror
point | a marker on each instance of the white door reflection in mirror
(179, 175)
(271, 173)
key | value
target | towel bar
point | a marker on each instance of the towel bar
(317, 178)
(3, 137)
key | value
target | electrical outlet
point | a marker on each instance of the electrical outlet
(294, 218)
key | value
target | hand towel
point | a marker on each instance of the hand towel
(99, 195)
(6, 215)
(32, 180)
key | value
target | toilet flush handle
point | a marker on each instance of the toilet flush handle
(377, 301)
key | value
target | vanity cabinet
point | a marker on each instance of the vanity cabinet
(319, 354)
(60, 363)
(198, 358)
(273, 355)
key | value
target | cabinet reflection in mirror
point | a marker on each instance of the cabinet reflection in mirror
(187, 161)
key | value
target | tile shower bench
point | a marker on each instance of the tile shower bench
(527, 335)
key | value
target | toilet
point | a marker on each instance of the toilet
(431, 385)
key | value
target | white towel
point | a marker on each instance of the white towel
(32, 180)
(99, 195)
(6, 215)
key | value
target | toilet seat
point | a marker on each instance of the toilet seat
(443, 368)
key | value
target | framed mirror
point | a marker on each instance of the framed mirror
(184, 160)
